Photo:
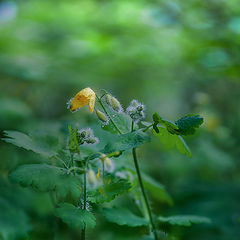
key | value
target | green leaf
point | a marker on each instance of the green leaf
(186, 221)
(122, 120)
(157, 190)
(22, 140)
(187, 125)
(43, 177)
(113, 187)
(122, 216)
(127, 141)
(14, 223)
(182, 146)
(169, 141)
(73, 145)
(75, 217)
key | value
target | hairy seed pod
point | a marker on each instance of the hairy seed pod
(116, 104)
(109, 99)
(101, 116)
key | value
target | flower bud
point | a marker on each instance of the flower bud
(116, 104)
(92, 177)
(113, 102)
(109, 99)
(101, 116)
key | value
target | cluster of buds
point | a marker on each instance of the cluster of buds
(136, 110)
(86, 136)
(114, 103)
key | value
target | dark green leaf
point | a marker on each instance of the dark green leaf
(113, 187)
(127, 141)
(184, 220)
(122, 216)
(44, 177)
(22, 140)
(157, 190)
(75, 217)
(187, 125)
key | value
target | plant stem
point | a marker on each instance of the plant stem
(144, 193)
(84, 201)
(144, 130)
(103, 170)
(104, 109)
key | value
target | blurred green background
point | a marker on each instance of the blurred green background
(175, 56)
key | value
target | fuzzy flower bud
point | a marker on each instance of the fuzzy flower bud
(102, 117)
(86, 136)
(113, 102)
(136, 110)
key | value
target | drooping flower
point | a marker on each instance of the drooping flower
(82, 98)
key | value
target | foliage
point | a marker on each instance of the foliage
(185, 221)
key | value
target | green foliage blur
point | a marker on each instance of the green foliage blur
(177, 57)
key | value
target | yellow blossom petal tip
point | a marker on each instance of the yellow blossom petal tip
(82, 98)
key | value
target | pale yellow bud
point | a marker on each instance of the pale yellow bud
(115, 104)
(109, 99)
(101, 116)
(108, 163)
(92, 177)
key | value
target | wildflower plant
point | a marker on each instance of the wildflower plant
(85, 177)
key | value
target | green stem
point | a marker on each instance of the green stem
(103, 170)
(154, 230)
(84, 201)
(144, 130)
(104, 109)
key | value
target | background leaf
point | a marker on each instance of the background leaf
(75, 217)
(44, 177)
(122, 216)
(156, 189)
(14, 223)
(186, 221)
(22, 140)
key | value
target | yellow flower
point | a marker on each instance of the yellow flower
(98, 174)
(82, 98)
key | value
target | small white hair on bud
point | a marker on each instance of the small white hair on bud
(136, 110)
(113, 103)
(86, 136)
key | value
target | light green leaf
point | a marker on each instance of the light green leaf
(14, 223)
(186, 221)
(169, 141)
(43, 177)
(182, 146)
(157, 190)
(127, 141)
(75, 217)
(113, 187)
(122, 216)
(22, 140)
